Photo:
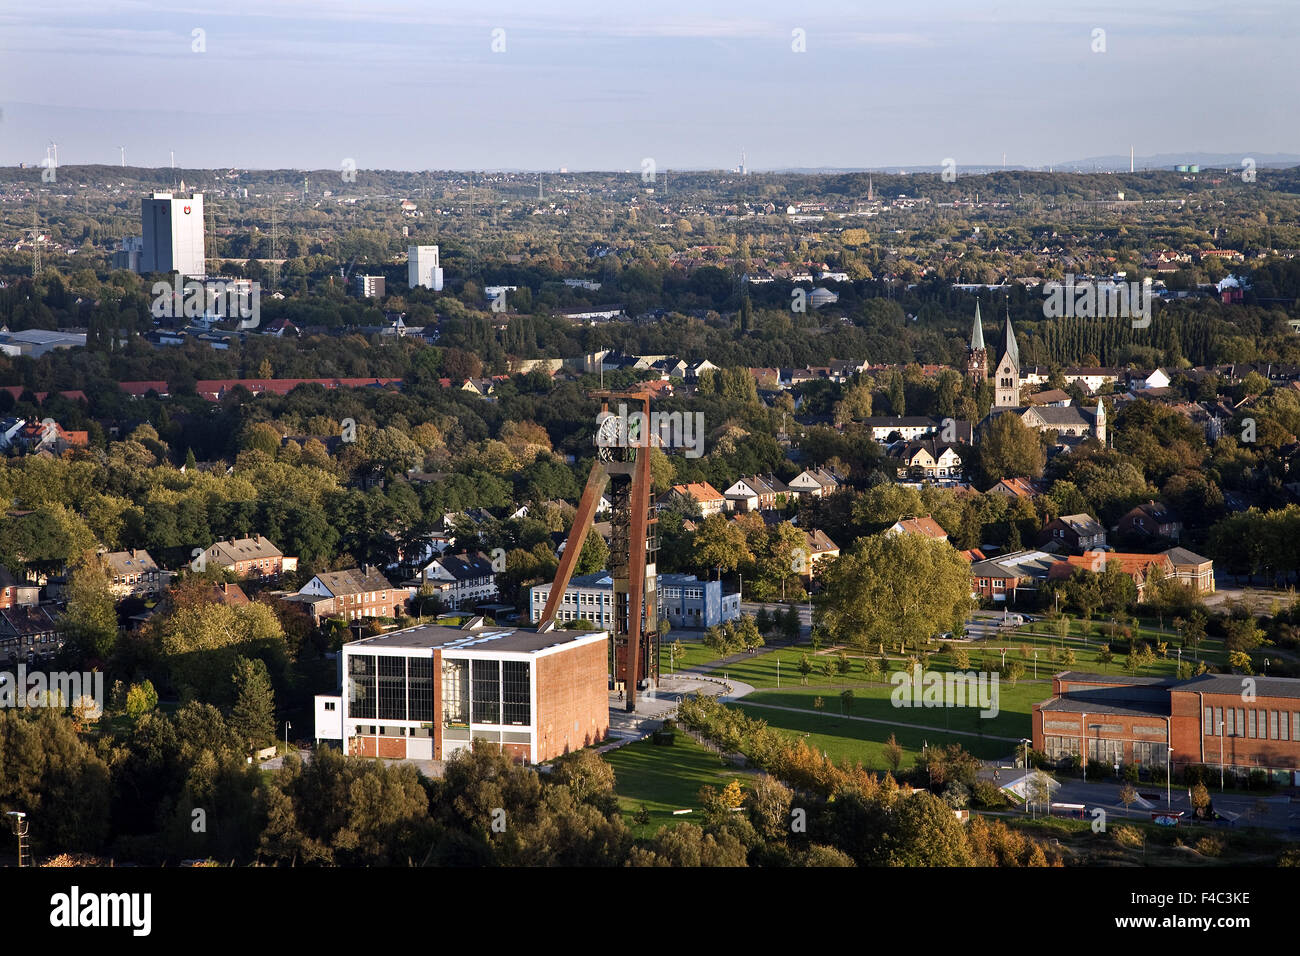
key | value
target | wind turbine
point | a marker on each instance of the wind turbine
(123, 149)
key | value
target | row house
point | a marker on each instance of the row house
(351, 594)
(30, 634)
(815, 482)
(250, 558)
(927, 459)
(15, 593)
(755, 493)
(134, 574)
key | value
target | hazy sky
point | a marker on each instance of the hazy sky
(587, 85)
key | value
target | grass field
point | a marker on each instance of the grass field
(666, 779)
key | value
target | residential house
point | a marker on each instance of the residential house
(351, 594)
(15, 593)
(248, 558)
(29, 634)
(709, 499)
(820, 548)
(925, 527)
(1017, 488)
(755, 493)
(1153, 519)
(1079, 533)
(461, 580)
(135, 574)
(815, 482)
(927, 459)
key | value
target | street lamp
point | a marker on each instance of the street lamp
(1035, 665)
(287, 727)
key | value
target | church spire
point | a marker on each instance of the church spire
(1012, 349)
(977, 332)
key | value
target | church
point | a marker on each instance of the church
(1069, 422)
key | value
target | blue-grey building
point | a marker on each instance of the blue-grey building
(684, 600)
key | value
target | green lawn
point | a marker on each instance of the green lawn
(666, 778)
(1015, 702)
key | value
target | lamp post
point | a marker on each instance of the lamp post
(1083, 741)
(287, 727)
(1035, 665)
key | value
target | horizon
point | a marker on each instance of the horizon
(505, 87)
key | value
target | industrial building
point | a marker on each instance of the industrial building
(425, 692)
(1239, 723)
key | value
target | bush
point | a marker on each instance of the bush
(1127, 836)
(988, 796)
(1210, 846)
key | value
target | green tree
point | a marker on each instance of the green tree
(91, 619)
(253, 716)
(902, 586)
(1009, 449)
(141, 699)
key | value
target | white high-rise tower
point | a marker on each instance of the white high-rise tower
(173, 235)
(422, 267)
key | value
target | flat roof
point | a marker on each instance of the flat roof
(506, 639)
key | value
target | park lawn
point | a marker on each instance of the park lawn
(1015, 702)
(695, 653)
(857, 741)
(666, 778)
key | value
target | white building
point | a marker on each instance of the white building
(422, 267)
(172, 235)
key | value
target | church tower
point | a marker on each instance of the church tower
(977, 356)
(1006, 390)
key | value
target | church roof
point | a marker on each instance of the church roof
(977, 332)
(1011, 348)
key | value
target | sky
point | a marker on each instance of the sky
(404, 84)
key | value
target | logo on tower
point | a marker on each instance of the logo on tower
(187, 210)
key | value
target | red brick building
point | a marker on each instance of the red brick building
(254, 557)
(425, 692)
(1241, 723)
(352, 594)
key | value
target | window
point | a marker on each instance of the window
(455, 692)
(361, 685)
(1241, 722)
(486, 683)
(1208, 728)
(1218, 720)
(516, 695)
(1252, 724)
(1272, 725)
(419, 689)
(1284, 725)
(329, 705)
(1230, 727)
(392, 688)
